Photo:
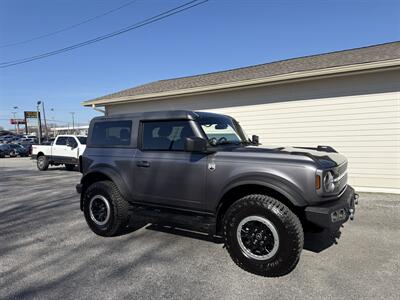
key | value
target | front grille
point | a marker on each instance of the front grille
(340, 176)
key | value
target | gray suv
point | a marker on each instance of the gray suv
(200, 171)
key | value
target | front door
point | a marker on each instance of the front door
(164, 173)
(65, 150)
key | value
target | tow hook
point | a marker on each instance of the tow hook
(351, 211)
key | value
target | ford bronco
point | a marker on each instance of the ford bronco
(199, 171)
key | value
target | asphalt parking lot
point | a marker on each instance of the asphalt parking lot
(47, 251)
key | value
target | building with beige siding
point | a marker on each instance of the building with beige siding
(349, 100)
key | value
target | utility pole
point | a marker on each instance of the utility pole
(39, 121)
(73, 122)
(45, 123)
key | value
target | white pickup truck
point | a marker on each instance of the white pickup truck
(66, 149)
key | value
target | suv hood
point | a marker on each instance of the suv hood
(325, 159)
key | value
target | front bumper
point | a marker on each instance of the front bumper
(333, 214)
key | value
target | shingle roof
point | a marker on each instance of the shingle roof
(369, 54)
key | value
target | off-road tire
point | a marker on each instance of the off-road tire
(42, 163)
(70, 167)
(119, 209)
(287, 224)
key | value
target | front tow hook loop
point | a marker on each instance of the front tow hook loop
(351, 211)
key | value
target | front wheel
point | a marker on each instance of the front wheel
(263, 236)
(42, 163)
(105, 210)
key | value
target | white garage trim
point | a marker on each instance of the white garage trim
(249, 83)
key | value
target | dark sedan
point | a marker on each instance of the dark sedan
(20, 150)
(27, 146)
(14, 150)
(8, 150)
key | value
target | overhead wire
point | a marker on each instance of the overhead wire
(147, 21)
(68, 27)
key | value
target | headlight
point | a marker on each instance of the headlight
(329, 185)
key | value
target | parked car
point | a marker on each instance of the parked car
(8, 150)
(20, 150)
(66, 149)
(48, 141)
(27, 145)
(29, 140)
(7, 138)
(199, 171)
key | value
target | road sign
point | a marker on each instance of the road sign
(17, 121)
(30, 114)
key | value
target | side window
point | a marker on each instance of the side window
(72, 142)
(61, 141)
(112, 133)
(165, 135)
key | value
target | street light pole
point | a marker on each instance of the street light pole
(45, 123)
(73, 122)
(15, 119)
(16, 127)
(39, 121)
(54, 124)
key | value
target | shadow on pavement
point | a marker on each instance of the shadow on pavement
(318, 242)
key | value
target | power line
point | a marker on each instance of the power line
(68, 27)
(163, 15)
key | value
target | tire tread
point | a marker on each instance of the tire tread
(120, 208)
(290, 221)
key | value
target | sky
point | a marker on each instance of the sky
(217, 35)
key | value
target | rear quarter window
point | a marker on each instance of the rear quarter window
(111, 133)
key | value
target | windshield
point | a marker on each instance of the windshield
(82, 139)
(222, 130)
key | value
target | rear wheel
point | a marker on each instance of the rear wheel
(106, 211)
(13, 153)
(263, 236)
(70, 167)
(42, 163)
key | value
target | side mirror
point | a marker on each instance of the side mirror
(72, 145)
(255, 139)
(195, 144)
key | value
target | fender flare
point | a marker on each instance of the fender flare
(273, 182)
(110, 174)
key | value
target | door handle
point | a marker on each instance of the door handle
(143, 164)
